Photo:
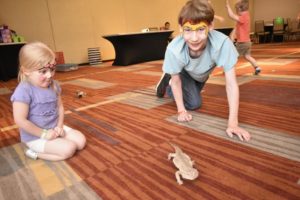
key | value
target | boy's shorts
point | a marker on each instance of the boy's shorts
(38, 145)
(243, 48)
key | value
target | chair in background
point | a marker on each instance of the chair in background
(260, 31)
(278, 28)
(293, 30)
(288, 30)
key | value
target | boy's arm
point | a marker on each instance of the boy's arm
(176, 86)
(230, 12)
(232, 91)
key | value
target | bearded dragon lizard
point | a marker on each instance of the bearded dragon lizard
(184, 164)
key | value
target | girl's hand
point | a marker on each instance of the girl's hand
(60, 131)
(51, 134)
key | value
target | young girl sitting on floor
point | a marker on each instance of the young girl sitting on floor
(38, 108)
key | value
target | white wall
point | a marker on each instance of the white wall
(270, 9)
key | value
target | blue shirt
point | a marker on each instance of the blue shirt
(43, 107)
(219, 51)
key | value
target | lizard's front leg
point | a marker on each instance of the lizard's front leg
(171, 155)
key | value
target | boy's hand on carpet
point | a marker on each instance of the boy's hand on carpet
(240, 132)
(184, 116)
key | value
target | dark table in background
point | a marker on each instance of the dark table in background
(9, 60)
(139, 47)
(225, 31)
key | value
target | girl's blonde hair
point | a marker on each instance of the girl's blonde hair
(34, 56)
(195, 11)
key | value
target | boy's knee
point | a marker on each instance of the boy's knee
(193, 105)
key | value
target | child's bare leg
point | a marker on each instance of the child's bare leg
(76, 137)
(58, 149)
(249, 58)
(50, 157)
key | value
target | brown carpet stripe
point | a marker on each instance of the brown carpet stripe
(149, 73)
(267, 117)
(233, 168)
(221, 80)
(133, 68)
(132, 186)
(94, 131)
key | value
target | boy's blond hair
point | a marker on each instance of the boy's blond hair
(195, 11)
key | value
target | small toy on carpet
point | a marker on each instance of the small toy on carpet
(184, 164)
(80, 94)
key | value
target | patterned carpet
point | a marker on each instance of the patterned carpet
(128, 131)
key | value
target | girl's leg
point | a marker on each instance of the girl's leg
(75, 136)
(58, 149)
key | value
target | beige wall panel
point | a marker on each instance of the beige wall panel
(220, 10)
(144, 13)
(28, 18)
(72, 28)
(270, 9)
(107, 18)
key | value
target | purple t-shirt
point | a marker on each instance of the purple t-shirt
(43, 108)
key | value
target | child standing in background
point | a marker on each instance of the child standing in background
(242, 31)
(38, 108)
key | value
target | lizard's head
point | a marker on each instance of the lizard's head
(191, 174)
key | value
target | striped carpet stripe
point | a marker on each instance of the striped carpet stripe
(263, 139)
(22, 178)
